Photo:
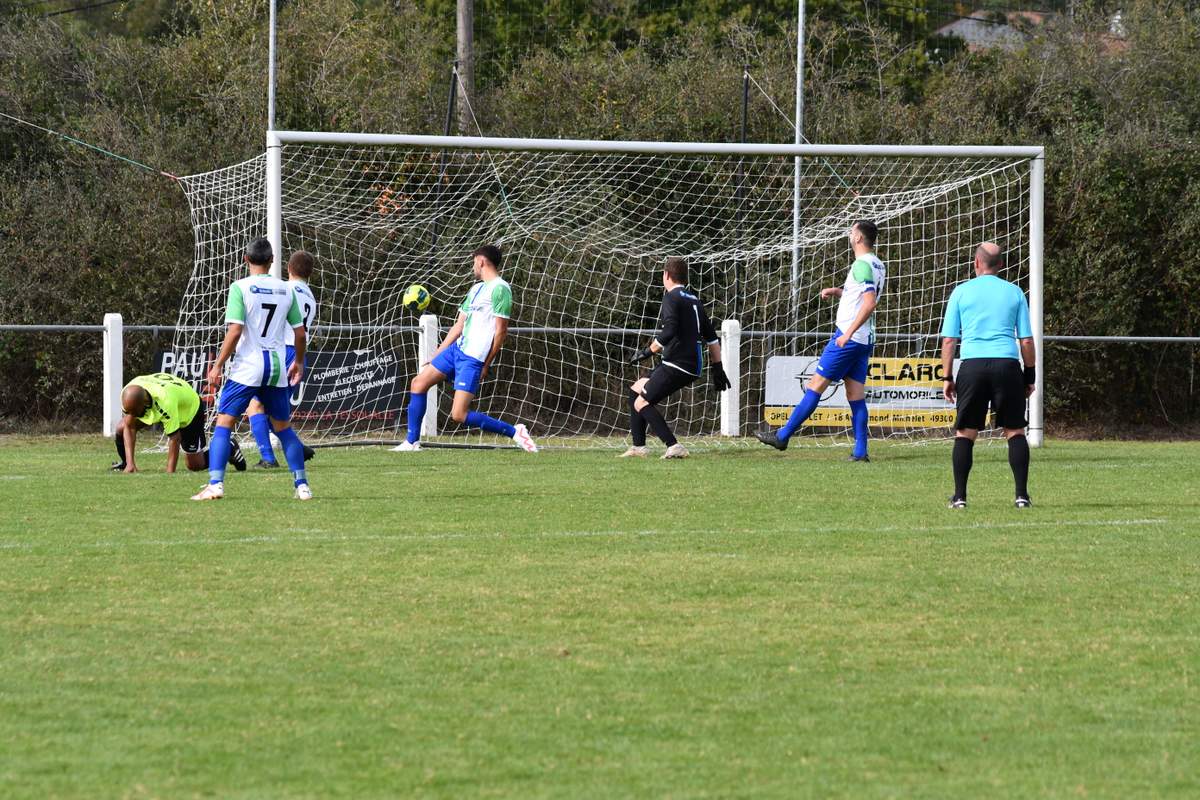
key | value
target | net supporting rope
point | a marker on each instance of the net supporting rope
(584, 236)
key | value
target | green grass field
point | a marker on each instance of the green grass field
(742, 624)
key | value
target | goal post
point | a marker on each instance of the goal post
(585, 226)
(1037, 181)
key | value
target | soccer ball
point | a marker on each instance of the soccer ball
(416, 298)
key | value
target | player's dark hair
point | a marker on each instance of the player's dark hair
(869, 231)
(259, 252)
(301, 264)
(993, 261)
(491, 253)
(676, 269)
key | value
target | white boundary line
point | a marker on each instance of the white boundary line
(320, 537)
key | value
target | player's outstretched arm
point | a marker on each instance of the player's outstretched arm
(1029, 360)
(172, 452)
(497, 343)
(869, 301)
(831, 291)
(217, 370)
(667, 331)
(720, 380)
(296, 370)
(949, 346)
(452, 335)
(639, 356)
(129, 427)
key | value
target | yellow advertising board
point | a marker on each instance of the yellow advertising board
(901, 393)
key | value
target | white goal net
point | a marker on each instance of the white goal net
(584, 235)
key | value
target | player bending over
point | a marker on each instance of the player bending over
(683, 332)
(848, 353)
(300, 268)
(465, 354)
(260, 308)
(170, 400)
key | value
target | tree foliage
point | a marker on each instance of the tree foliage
(182, 88)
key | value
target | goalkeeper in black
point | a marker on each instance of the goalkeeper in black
(684, 331)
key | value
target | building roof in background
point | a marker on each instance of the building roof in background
(983, 30)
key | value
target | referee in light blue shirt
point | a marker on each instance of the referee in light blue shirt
(990, 316)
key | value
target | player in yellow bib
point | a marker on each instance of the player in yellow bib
(170, 401)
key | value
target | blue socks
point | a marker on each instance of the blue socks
(801, 412)
(858, 416)
(489, 424)
(294, 451)
(218, 454)
(261, 429)
(416, 413)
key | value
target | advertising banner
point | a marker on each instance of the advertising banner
(901, 393)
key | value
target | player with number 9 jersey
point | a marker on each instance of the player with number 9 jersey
(300, 268)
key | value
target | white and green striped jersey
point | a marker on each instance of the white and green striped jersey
(266, 307)
(866, 274)
(484, 304)
(308, 313)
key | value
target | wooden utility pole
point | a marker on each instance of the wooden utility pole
(466, 65)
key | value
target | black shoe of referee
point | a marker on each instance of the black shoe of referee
(235, 456)
(769, 437)
(1023, 502)
(957, 502)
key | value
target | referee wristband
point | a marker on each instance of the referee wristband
(1030, 376)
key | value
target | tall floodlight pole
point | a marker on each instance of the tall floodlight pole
(465, 24)
(274, 186)
(799, 140)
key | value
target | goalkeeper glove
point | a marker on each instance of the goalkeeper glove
(641, 355)
(720, 380)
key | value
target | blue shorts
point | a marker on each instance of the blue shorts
(235, 397)
(465, 371)
(850, 361)
(291, 356)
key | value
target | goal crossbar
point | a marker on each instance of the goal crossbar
(278, 141)
(277, 138)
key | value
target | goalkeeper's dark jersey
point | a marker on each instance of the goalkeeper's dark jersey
(684, 330)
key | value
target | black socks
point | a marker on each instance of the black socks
(1018, 459)
(637, 423)
(658, 425)
(964, 451)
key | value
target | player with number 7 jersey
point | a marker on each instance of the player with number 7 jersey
(300, 268)
(260, 310)
(267, 308)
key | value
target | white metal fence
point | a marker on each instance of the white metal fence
(113, 330)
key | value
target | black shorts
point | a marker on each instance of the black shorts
(665, 381)
(192, 438)
(998, 383)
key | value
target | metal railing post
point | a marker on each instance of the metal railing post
(114, 371)
(731, 357)
(427, 342)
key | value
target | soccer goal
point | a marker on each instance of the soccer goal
(584, 227)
